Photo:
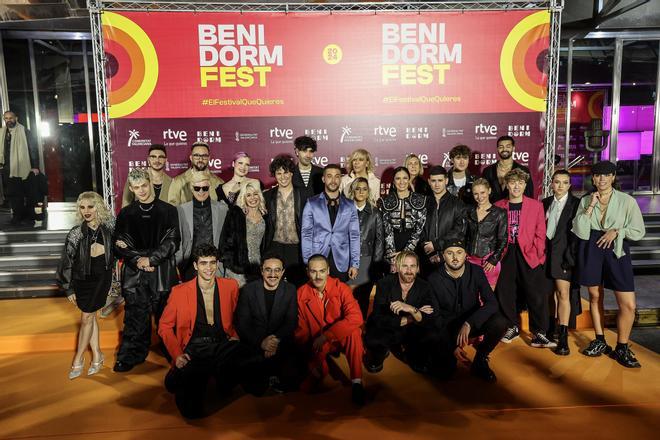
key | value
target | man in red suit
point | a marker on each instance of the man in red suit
(329, 321)
(198, 331)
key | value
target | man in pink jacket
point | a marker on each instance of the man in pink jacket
(522, 266)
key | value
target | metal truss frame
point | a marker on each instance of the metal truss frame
(97, 7)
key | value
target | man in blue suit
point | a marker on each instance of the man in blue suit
(330, 227)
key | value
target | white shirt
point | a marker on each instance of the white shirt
(553, 214)
(460, 183)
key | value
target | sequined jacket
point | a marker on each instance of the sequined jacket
(402, 215)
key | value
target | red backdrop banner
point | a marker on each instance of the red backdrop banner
(392, 83)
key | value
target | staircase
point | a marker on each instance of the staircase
(646, 252)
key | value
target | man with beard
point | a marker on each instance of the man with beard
(160, 181)
(329, 322)
(200, 221)
(18, 158)
(466, 308)
(330, 227)
(495, 173)
(147, 238)
(284, 204)
(198, 330)
(180, 191)
(402, 310)
(307, 176)
(266, 317)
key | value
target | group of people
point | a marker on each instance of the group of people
(262, 288)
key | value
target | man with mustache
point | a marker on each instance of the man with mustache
(495, 173)
(330, 227)
(180, 190)
(466, 308)
(401, 313)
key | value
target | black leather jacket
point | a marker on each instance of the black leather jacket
(76, 262)
(270, 196)
(489, 235)
(465, 193)
(372, 235)
(443, 221)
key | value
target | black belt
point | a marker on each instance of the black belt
(206, 340)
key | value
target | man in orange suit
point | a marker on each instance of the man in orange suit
(329, 321)
(198, 331)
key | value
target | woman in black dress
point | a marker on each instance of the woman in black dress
(85, 274)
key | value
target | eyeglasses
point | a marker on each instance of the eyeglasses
(277, 270)
(151, 156)
(201, 188)
(200, 156)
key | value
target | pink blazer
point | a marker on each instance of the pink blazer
(531, 235)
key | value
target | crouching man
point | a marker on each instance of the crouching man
(198, 331)
(466, 309)
(329, 321)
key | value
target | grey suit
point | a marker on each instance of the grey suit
(185, 210)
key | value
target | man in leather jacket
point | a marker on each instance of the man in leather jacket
(444, 217)
(147, 238)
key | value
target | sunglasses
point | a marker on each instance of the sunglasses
(201, 188)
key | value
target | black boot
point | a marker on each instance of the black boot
(562, 346)
(481, 369)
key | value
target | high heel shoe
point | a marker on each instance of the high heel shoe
(76, 370)
(95, 367)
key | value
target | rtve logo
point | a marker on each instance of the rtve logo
(385, 131)
(281, 133)
(175, 135)
(485, 129)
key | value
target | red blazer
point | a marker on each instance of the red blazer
(342, 313)
(531, 235)
(178, 320)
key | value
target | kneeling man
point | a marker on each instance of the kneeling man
(467, 308)
(266, 317)
(329, 321)
(198, 331)
(402, 309)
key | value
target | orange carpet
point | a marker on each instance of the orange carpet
(539, 395)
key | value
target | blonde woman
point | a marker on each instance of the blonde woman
(85, 274)
(418, 183)
(229, 190)
(242, 237)
(360, 164)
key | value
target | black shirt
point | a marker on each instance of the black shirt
(202, 327)
(269, 297)
(514, 221)
(157, 189)
(333, 207)
(202, 223)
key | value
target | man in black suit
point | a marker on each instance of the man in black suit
(284, 204)
(306, 176)
(266, 317)
(495, 173)
(402, 311)
(561, 250)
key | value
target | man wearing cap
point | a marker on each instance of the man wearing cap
(605, 223)
(466, 308)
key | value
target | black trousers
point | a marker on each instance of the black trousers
(362, 294)
(294, 269)
(415, 340)
(229, 362)
(533, 285)
(16, 191)
(442, 359)
(334, 272)
(141, 303)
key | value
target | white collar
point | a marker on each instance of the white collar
(562, 200)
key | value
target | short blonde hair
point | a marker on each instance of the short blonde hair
(354, 155)
(102, 212)
(245, 187)
(401, 256)
(354, 183)
(137, 174)
(200, 176)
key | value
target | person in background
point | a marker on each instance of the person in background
(179, 191)
(486, 230)
(360, 164)
(200, 221)
(307, 176)
(147, 238)
(495, 173)
(523, 268)
(606, 221)
(561, 249)
(404, 215)
(85, 274)
(372, 243)
(229, 191)
(161, 182)
(460, 179)
(284, 204)
(242, 237)
(417, 182)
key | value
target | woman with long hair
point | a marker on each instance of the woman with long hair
(418, 183)
(360, 164)
(85, 274)
(242, 237)
(486, 231)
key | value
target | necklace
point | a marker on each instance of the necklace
(147, 209)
